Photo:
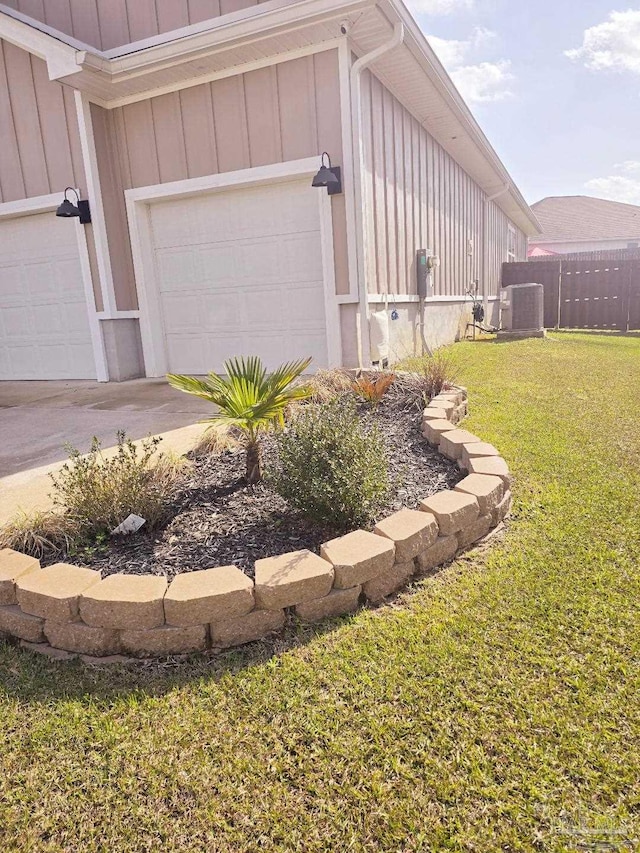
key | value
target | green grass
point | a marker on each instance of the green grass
(468, 717)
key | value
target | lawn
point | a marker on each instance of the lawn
(472, 715)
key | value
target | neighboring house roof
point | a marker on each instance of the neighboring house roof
(248, 38)
(579, 217)
(537, 252)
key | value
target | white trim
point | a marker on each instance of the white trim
(348, 169)
(232, 71)
(331, 309)
(138, 202)
(94, 192)
(26, 206)
(97, 341)
(44, 204)
(391, 299)
(118, 315)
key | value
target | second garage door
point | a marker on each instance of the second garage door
(239, 272)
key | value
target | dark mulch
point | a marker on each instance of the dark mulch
(218, 520)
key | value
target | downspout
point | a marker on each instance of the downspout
(485, 248)
(362, 320)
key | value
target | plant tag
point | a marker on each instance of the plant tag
(131, 524)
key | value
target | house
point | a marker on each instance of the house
(579, 223)
(194, 128)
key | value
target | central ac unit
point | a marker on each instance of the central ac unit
(522, 311)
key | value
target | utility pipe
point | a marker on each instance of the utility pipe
(362, 320)
(485, 248)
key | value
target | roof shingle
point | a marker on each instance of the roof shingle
(580, 217)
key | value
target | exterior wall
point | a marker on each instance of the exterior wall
(284, 112)
(107, 24)
(39, 136)
(582, 245)
(417, 196)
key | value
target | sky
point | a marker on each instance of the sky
(555, 86)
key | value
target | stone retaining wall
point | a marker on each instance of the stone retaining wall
(74, 609)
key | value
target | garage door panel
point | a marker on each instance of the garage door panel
(44, 324)
(252, 282)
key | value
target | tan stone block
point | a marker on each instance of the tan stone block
(290, 579)
(15, 623)
(474, 531)
(410, 530)
(80, 638)
(442, 551)
(53, 593)
(453, 510)
(460, 412)
(338, 601)
(434, 413)
(433, 430)
(13, 565)
(451, 443)
(165, 640)
(475, 449)
(447, 405)
(502, 510)
(491, 465)
(210, 595)
(487, 489)
(48, 651)
(358, 557)
(389, 582)
(125, 601)
(246, 629)
(454, 394)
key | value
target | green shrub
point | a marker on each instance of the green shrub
(96, 492)
(330, 466)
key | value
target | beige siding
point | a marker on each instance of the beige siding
(285, 112)
(106, 24)
(39, 136)
(417, 196)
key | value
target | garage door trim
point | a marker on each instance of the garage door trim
(49, 203)
(138, 205)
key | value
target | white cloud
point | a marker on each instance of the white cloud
(629, 166)
(478, 82)
(613, 45)
(439, 7)
(485, 82)
(616, 188)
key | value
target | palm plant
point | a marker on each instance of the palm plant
(248, 398)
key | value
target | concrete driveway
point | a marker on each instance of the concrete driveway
(37, 419)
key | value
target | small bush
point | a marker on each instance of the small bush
(96, 492)
(326, 385)
(436, 372)
(40, 534)
(216, 439)
(330, 466)
(372, 387)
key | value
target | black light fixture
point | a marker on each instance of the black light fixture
(328, 176)
(68, 209)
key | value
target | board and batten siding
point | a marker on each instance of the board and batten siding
(416, 196)
(108, 24)
(39, 136)
(283, 112)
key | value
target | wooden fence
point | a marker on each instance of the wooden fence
(583, 294)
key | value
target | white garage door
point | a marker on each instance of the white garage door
(44, 325)
(239, 272)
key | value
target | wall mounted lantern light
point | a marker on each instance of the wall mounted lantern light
(68, 209)
(328, 176)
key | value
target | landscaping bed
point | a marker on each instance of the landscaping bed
(216, 519)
